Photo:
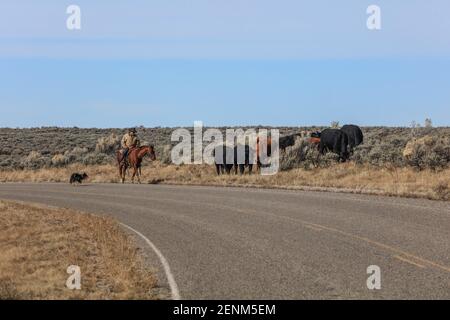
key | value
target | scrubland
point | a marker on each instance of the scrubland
(413, 162)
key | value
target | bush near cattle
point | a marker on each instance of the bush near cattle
(428, 152)
(48, 147)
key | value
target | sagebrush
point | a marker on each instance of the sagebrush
(47, 147)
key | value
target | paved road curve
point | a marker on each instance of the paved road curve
(230, 243)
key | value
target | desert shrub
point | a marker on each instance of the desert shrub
(359, 155)
(6, 163)
(304, 154)
(96, 158)
(428, 152)
(46, 152)
(416, 145)
(108, 144)
(17, 152)
(383, 153)
(382, 146)
(75, 155)
(59, 160)
(5, 151)
(34, 160)
(323, 161)
(72, 156)
(295, 155)
(163, 153)
(78, 151)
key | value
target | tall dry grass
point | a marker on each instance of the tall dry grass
(348, 177)
(37, 244)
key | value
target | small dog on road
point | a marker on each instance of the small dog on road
(77, 177)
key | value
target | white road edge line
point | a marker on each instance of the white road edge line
(170, 278)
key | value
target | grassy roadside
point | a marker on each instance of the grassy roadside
(348, 177)
(37, 244)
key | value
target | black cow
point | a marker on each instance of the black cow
(315, 134)
(246, 161)
(336, 141)
(221, 163)
(355, 135)
(288, 141)
(230, 159)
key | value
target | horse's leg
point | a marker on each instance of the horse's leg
(138, 173)
(218, 169)
(134, 174)
(122, 172)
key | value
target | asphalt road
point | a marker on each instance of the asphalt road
(231, 243)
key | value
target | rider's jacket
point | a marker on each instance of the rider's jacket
(130, 141)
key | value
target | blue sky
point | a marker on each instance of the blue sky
(246, 62)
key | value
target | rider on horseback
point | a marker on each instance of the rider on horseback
(129, 141)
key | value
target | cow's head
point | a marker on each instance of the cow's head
(315, 137)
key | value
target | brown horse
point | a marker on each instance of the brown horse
(135, 157)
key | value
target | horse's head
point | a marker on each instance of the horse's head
(151, 152)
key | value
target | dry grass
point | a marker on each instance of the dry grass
(39, 243)
(347, 177)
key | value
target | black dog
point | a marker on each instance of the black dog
(76, 177)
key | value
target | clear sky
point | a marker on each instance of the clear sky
(233, 62)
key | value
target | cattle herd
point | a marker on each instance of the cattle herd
(339, 141)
